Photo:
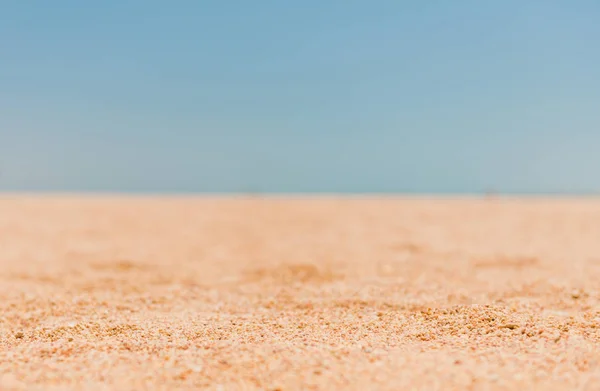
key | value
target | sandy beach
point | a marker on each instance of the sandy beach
(135, 293)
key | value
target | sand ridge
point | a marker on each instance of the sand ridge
(298, 293)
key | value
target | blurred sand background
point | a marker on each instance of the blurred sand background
(129, 293)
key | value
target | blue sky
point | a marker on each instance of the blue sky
(312, 96)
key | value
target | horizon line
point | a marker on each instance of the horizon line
(300, 194)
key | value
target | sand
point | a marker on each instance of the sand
(127, 293)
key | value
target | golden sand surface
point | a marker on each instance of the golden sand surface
(126, 293)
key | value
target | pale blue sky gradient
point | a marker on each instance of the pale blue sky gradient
(318, 95)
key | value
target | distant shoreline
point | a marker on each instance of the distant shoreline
(298, 195)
